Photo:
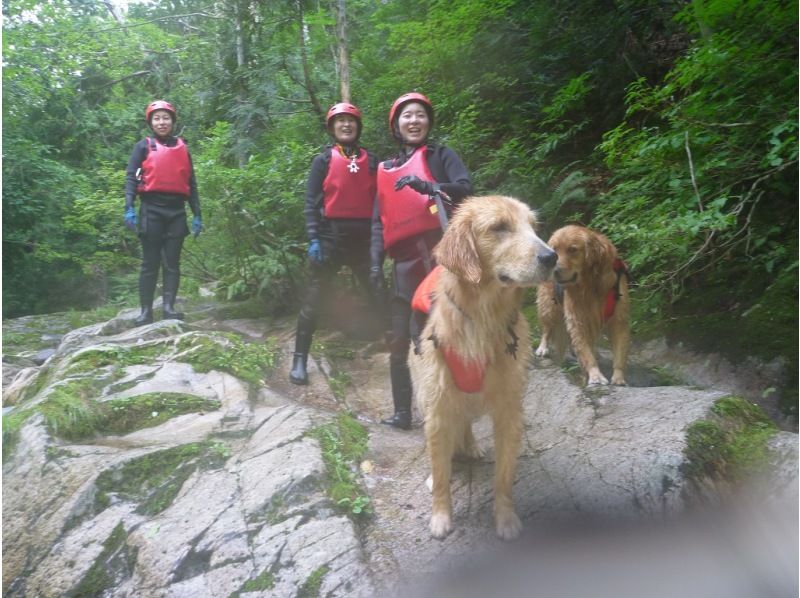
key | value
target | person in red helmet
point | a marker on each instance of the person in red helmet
(160, 172)
(340, 194)
(406, 227)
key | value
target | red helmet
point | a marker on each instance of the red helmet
(343, 108)
(405, 99)
(159, 105)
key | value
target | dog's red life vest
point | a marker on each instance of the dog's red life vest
(349, 187)
(165, 169)
(620, 268)
(404, 213)
(467, 374)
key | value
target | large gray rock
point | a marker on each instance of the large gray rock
(248, 512)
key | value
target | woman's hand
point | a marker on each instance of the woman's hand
(315, 251)
(197, 226)
(417, 184)
(130, 219)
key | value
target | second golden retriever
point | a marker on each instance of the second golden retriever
(589, 292)
(473, 354)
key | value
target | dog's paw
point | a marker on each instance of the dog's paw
(441, 525)
(619, 379)
(543, 351)
(508, 525)
(596, 377)
(471, 452)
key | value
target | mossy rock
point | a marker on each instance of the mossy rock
(115, 563)
(154, 480)
(227, 352)
(730, 445)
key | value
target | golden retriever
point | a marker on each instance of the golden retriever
(589, 292)
(473, 354)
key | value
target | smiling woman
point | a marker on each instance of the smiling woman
(160, 172)
(406, 225)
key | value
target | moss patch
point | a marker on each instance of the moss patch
(149, 410)
(731, 444)
(72, 412)
(115, 563)
(155, 479)
(228, 353)
(264, 581)
(117, 356)
(344, 443)
(311, 586)
(12, 424)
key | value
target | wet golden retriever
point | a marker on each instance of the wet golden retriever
(474, 351)
(589, 292)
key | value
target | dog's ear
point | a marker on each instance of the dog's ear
(600, 253)
(458, 252)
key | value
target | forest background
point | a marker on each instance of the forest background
(669, 125)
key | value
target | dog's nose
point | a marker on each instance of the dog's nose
(548, 259)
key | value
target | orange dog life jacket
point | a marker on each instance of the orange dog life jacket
(467, 374)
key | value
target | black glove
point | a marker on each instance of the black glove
(417, 184)
(376, 279)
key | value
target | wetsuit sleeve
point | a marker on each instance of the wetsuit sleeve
(455, 180)
(373, 162)
(194, 195)
(376, 252)
(314, 194)
(134, 163)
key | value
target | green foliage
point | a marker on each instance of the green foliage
(344, 443)
(256, 241)
(707, 158)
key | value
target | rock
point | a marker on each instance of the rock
(232, 500)
(43, 356)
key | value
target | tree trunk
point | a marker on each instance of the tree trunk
(240, 70)
(341, 42)
(307, 83)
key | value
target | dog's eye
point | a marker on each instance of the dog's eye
(572, 249)
(500, 227)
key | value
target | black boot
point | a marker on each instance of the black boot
(299, 375)
(172, 279)
(146, 317)
(302, 344)
(401, 395)
(168, 309)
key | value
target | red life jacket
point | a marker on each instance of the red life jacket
(165, 169)
(405, 213)
(467, 374)
(349, 187)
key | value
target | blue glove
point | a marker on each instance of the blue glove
(417, 184)
(315, 251)
(130, 219)
(197, 226)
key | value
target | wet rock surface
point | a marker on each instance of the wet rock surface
(232, 500)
